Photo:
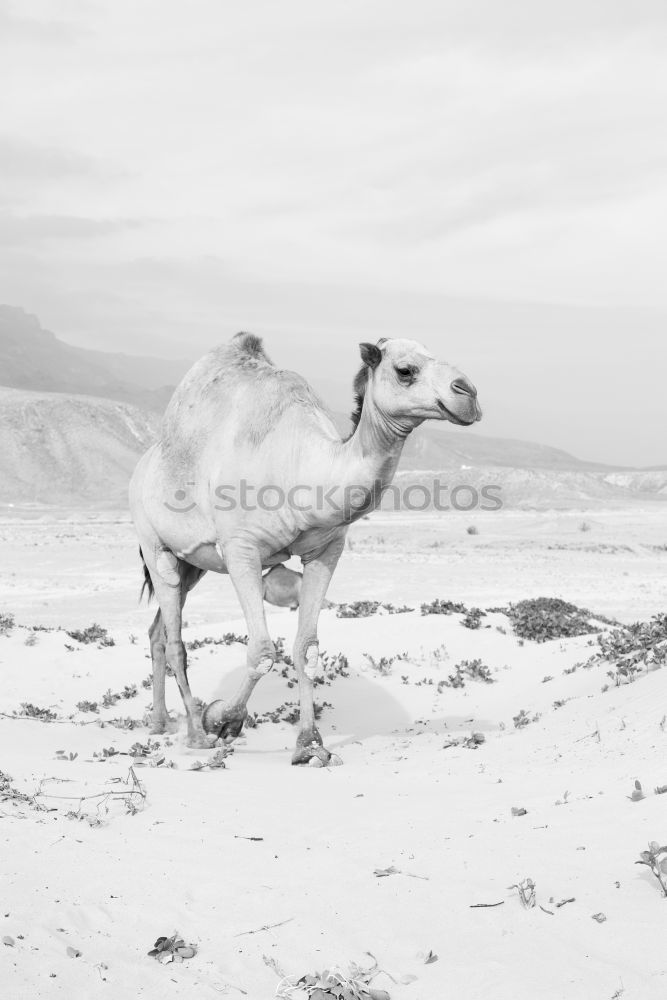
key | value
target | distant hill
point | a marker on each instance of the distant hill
(539, 488)
(64, 449)
(73, 423)
(436, 446)
(61, 449)
(34, 358)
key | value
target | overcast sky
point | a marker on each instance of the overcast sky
(488, 177)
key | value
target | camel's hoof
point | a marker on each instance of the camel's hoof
(310, 754)
(200, 741)
(223, 721)
(161, 726)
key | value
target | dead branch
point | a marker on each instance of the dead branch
(265, 927)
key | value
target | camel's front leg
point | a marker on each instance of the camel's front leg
(244, 565)
(317, 574)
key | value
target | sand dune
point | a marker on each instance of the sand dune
(107, 884)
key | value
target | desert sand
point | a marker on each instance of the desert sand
(268, 869)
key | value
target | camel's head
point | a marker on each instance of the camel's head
(409, 385)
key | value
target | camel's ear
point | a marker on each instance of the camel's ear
(370, 355)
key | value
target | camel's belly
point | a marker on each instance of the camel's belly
(208, 556)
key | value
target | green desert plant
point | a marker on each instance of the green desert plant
(94, 633)
(357, 609)
(523, 719)
(383, 664)
(632, 649)
(473, 618)
(544, 618)
(172, 949)
(87, 706)
(7, 790)
(334, 984)
(364, 609)
(6, 623)
(656, 860)
(443, 607)
(287, 712)
(226, 640)
(332, 666)
(30, 711)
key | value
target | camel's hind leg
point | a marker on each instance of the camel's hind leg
(158, 640)
(172, 579)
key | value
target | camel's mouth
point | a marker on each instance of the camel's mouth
(454, 419)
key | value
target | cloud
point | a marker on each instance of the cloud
(27, 230)
(15, 26)
(27, 161)
(328, 173)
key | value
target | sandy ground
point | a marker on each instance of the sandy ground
(74, 569)
(441, 816)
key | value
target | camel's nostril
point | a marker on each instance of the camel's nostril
(464, 387)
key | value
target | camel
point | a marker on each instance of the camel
(250, 471)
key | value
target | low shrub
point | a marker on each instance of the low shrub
(383, 665)
(357, 609)
(7, 623)
(544, 618)
(287, 712)
(228, 639)
(94, 633)
(30, 711)
(473, 618)
(441, 607)
(632, 649)
(87, 706)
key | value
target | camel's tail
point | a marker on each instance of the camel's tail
(190, 575)
(148, 583)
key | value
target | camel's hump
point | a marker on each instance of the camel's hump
(250, 345)
(237, 383)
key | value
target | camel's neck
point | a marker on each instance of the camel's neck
(368, 459)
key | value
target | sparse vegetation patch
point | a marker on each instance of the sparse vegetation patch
(545, 618)
(30, 711)
(473, 618)
(656, 860)
(94, 633)
(287, 712)
(228, 639)
(382, 665)
(357, 609)
(633, 649)
(8, 792)
(6, 623)
(364, 609)
(443, 607)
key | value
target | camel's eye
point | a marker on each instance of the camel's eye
(406, 373)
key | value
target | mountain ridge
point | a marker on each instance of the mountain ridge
(34, 359)
(96, 411)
